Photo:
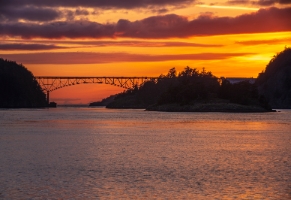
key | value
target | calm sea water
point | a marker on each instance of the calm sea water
(96, 153)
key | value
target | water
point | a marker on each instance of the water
(96, 153)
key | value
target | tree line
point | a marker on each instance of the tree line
(187, 87)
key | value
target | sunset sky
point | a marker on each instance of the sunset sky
(234, 38)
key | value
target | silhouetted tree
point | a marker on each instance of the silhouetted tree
(172, 73)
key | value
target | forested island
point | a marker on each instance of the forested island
(18, 87)
(195, 91)
(275, 81)
(201, 91)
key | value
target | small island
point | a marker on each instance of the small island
(193, 91)
(18, 87)
(200, 91)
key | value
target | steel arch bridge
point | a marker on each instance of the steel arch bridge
(52, 83)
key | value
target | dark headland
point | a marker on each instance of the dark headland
(275, 81)
(18, 87)
(200, 91)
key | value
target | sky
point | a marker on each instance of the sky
(230, 38)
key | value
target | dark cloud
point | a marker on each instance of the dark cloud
(31, 47)
(94, 58)
(271, 2)
(127, 4)
(38, 14)
(268, 42)
(29, 13)
(284, 1)
(238, 2)
(81, 12)
(260, 2)
(264, 20)
(160, 10)
(157, 27)
(265, 2)
(65, 29)
(206, 14)
(133, 43)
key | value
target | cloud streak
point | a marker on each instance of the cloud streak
(30, 47)
(128, 43)
(156, 27)
(269, 42)
(127, 4)
(261, 2)
(95, 58)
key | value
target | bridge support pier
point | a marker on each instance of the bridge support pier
(48, 97)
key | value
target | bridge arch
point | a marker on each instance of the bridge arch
(52, 83)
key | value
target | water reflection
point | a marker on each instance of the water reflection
(76, 153)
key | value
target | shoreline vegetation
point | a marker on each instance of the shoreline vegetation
(193, 91)
(19, 88)
(200, 91)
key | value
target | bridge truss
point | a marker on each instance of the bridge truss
(51, 83)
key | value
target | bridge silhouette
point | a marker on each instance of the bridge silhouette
(52, 83)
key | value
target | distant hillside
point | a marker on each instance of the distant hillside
(18, 87)
(275, 82)
(103, 102)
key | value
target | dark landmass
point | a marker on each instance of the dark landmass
(207, 107)
(18, 87)
(196, 91)
(126, 102)
(193, 91)
(52, 105)
(275, 82)
(103, 102)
